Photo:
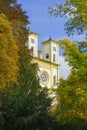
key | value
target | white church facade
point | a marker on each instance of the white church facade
(48, 63)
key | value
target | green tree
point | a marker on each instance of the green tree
(25, 106)
(76, 13)
(72, 92)
(76, 56)
(8, 53)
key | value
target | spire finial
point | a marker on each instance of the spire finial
(50, 37)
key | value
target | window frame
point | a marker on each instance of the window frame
(47, 55)
(32, 40)
(54, 57)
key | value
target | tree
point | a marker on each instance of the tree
(72, 92)
(25, 106)
(8, 53)
(19, 21)
(76, 56)
(76, 14)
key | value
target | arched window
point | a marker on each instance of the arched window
(47, 56)
(54, 80)
(32, 51)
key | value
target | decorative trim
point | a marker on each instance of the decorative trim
(47, 76)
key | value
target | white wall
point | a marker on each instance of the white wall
(34, 45)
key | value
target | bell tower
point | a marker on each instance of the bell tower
(50, 51)
(50, 54)
(32, 43)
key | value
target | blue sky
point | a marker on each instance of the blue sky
(45, 25)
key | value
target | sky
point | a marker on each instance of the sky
(45, 25)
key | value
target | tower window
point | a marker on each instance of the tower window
(32, 40)
(53, 57)
(47, 56)
(54, 80)
(54, 48)
(32, 51)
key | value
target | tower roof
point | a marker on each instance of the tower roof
(49, 40)
(30, 32)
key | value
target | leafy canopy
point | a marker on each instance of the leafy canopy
(8, 53)
(76, 13)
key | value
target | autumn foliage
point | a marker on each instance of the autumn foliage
(8, 53)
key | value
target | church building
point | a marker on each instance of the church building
(47, 59)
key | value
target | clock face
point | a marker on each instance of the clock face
(43, 77)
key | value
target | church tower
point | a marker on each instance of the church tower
(50, 51)
(32, 43)
(50, 54)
